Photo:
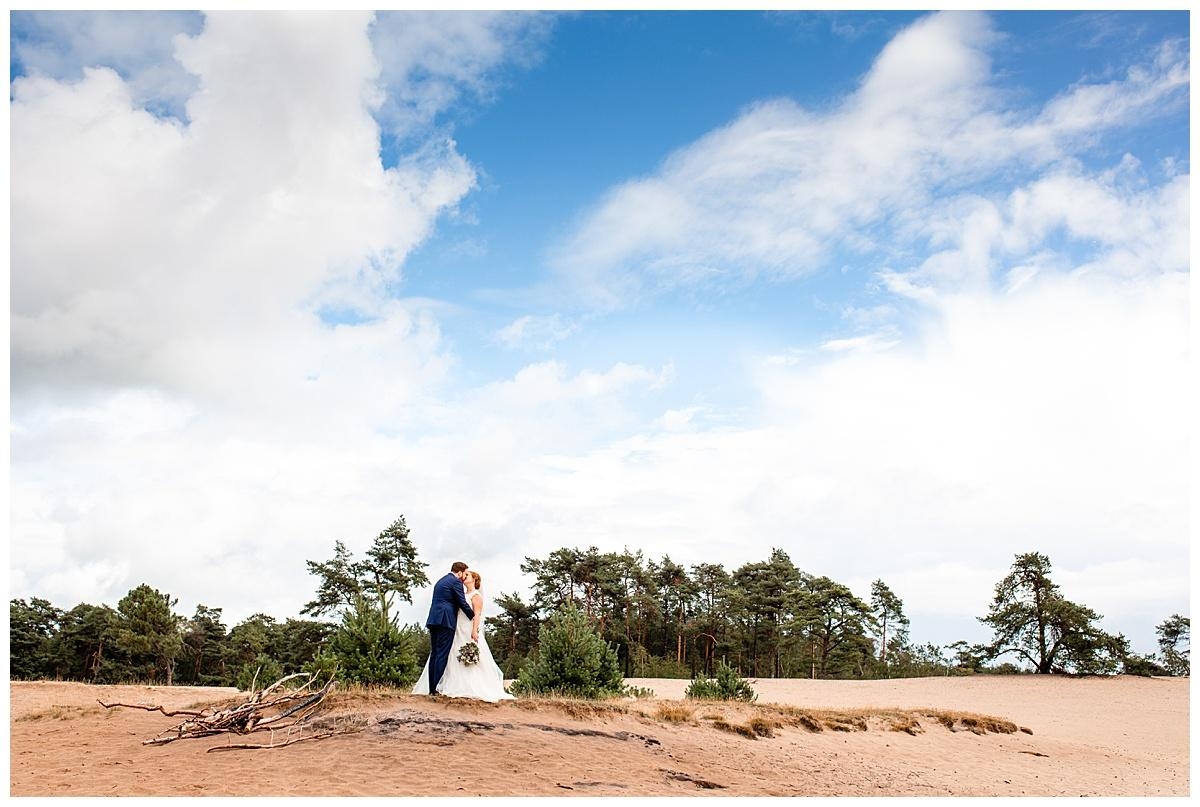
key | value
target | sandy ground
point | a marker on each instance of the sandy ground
(1090, 737)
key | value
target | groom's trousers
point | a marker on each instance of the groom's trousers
(440, 640)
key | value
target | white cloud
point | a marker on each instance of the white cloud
(137, 44)
(199, 255)
(1051, 419)
(774, 193)
(432, 60)
(868, 342)
(531, 332)
(680, 420)
(181, 413)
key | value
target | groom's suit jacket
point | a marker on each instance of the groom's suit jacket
(448, 598)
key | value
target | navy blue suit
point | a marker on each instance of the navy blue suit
(448, 599)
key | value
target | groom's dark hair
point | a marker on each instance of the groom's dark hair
(457, 566)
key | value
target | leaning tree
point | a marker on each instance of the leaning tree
(1175, 644)
(1032, 619)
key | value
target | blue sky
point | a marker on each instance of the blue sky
(903, 294)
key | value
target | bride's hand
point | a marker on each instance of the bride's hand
(474, 636)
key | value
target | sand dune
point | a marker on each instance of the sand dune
(1094, 736)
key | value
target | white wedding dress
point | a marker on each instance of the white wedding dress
(482, 680)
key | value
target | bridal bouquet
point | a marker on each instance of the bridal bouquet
(469, 653)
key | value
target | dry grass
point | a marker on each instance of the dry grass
(675, 712)
(763, 727)
(57, 712)
(572, 707)
(974, 723)
(764, 720)
(735, 728)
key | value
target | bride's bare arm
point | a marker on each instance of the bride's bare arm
(477, 606)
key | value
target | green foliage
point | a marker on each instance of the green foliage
(1175, 644)
(1134, 664)
(644, 665)
(889, 625)
(763, 602)
(512, 633)
(249, 639)
(572, 660)
(148, 631)
(202, 661)
(297, 642)
(1033, 620)
(726, 686)
(368, 648)
(967, 657)
(259, 672)
(1093, 652)
(31, 629)
(830, 616)
(512, 664)
(393, 566)
(390, 570)
(86, 649)
(657, 618)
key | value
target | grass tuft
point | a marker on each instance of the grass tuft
(763, 727)
(974, 723)
(735, 728)
(675, 712)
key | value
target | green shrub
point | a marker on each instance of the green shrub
(512, 664)
(368, 649)
(1143, 665)
(726, 686)
(268, 670)
(644, 665)
(571, 660)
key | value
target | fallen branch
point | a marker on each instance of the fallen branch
(287, 711)
(153, 709)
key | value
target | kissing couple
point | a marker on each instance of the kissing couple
(460, 662)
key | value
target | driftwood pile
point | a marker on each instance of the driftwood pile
(288, 712)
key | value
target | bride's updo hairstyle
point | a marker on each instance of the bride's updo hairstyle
(478, 579)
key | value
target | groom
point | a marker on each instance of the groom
(448, 597)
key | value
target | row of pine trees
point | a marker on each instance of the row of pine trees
(765, 618)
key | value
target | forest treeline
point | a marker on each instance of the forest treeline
(765, 618)
(770, 619)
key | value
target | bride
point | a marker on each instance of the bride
(481, 680)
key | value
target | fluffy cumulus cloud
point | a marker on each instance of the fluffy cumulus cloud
(138, 45)
(202, 334)
(781, 192)
(198, 252)
(431, 60)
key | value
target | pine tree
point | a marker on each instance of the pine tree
(149, 631)
(572, 660)
(726, 686)
(368, 648)
(1175, 643)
